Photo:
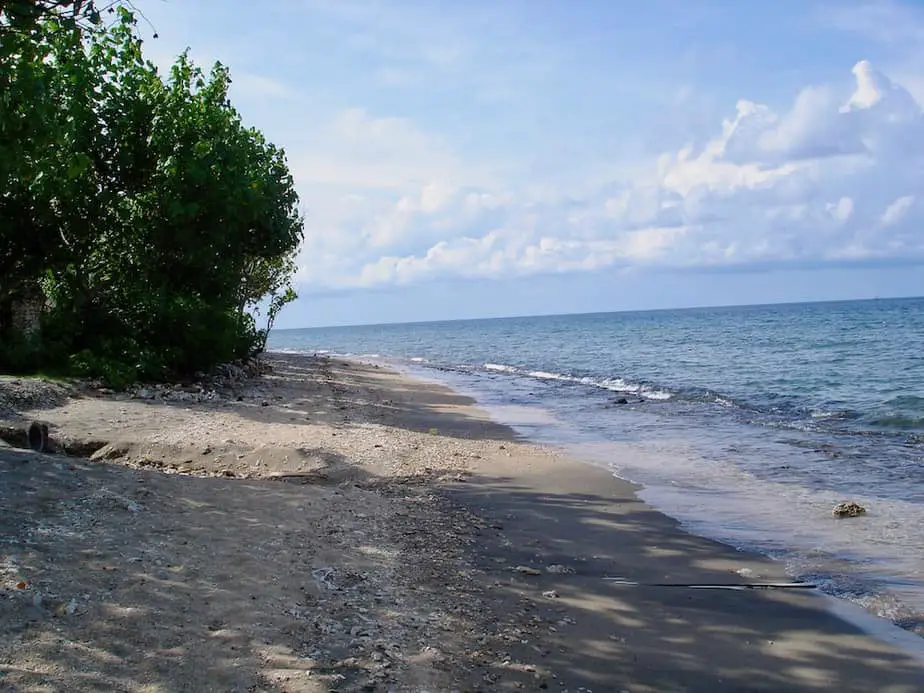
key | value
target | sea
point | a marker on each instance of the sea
(747, 424)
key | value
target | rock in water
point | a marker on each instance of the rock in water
(848, 509)
(38, 436)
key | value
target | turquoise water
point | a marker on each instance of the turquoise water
(746, 423)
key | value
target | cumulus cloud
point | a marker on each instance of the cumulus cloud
(834, 178)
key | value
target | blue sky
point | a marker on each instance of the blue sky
(486, 158)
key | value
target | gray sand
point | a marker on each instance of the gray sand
(343, 528)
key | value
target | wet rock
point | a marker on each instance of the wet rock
(848, 509)
(621, 400)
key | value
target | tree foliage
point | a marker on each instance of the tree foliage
(28, 15)
(152, 218)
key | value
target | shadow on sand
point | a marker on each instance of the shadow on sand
(590, 633)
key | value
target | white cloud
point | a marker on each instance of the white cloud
(355, 149)
(835, 178)
(896, 211)
(898, 28)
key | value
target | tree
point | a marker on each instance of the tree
(28, 15)
(154, 220)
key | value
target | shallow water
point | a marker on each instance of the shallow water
(747, 424)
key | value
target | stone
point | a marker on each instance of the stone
(109, 451)
(526, 570)
(556, 569)
(848, 509)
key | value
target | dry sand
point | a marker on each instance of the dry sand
(337, 527)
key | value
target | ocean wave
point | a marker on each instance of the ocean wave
(542, 375)
(501, 368)
(912, 402)
(899, 421)
(296, 351)
(610, 384)
(839, 414)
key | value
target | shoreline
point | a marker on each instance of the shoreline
(431, 519)
(889, 616)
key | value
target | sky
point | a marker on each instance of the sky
(509, 157)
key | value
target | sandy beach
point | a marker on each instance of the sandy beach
(334, 526)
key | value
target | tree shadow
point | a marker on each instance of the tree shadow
(607, 636)
(115, 579)
(164, 616)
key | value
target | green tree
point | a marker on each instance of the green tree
(154, 219)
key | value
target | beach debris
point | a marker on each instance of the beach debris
(23, 394)
(38, 436)
(173, 393)
(848, 509)
(557, 569)
(526, 570)
(68, 609)
(550, 594)
(322, 577)
(714, 586)
(104, 499)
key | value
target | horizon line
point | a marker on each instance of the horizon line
(603, 312)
